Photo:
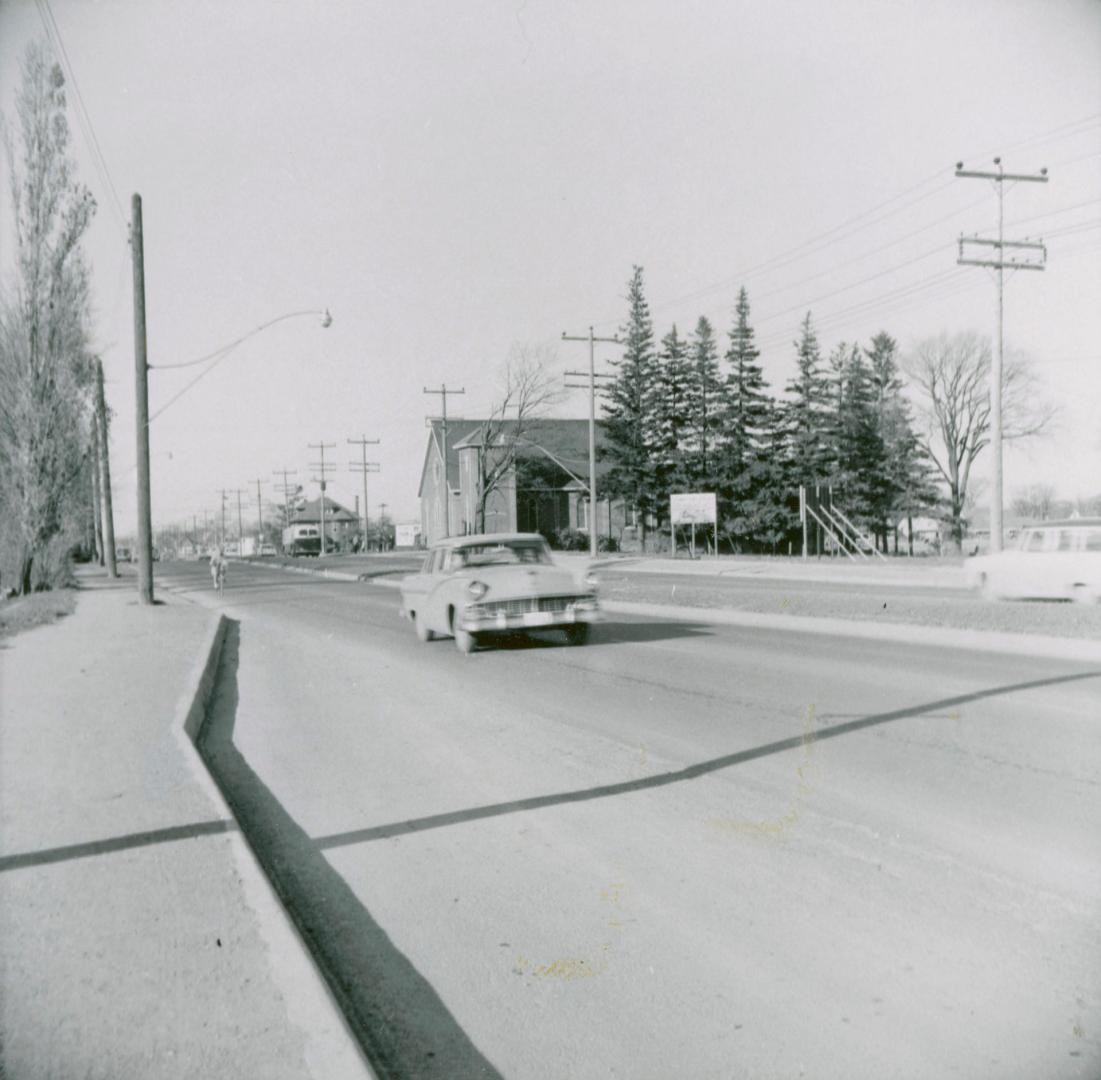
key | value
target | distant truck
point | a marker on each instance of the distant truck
(305, 540)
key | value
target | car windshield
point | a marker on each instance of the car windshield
(499, 554)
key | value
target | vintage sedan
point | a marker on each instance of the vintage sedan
(473, 587)
(1058, 560)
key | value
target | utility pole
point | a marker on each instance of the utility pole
(999, 264)
(222, 532)
(364, 467)
(259, 513)
(141, 394)
(105, 475)
(324, 470)
(592, 339)
(240, 526)
(443, 392)
(285, 488)
(97, 516)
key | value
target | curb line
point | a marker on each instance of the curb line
(1055, 648)
(189, 720)
(1038, 645)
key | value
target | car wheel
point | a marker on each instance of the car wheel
(577, 634)
(423, 633)
(464, 639)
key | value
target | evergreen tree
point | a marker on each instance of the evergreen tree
(806, 411)
(747, 407)
(705, 406)
(628, 404)
(670, 400)
(747, 399)
(859, 467)
(910, 484)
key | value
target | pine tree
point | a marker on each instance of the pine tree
(806, 411)
(705, 407)
(747, 396)
(628, 404)
(747, 406)
(910, 484)
(670, 402)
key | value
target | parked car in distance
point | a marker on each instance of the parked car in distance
(268, 549)
(303, 539)
(474, 587)
(1058, 560)
(123, 554)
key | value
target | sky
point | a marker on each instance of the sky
(455, 179)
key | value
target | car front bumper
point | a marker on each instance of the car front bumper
(476, 620)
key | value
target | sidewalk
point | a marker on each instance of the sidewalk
(138, 938)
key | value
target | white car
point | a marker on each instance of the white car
(1058, 560)
(472, 587)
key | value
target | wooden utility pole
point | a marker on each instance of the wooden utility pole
(259, 514)
(105, 475)
(999, 264)
(141, 396)
(443, 392)
(285, 488)
(97, 517)
(364, 467)
(322, 480)
(240, 524)
(592, 340)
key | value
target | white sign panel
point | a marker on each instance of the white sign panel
(696, 507)
(406, 535)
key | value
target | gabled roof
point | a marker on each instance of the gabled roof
(565, 442)
(457, 430)
(311, 511)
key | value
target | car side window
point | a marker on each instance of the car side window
(1093, 540)
(1066, 540)
(1034, 541)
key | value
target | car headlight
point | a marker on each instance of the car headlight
(476, 590)
(591, 581)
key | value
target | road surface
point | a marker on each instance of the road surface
(683, 850)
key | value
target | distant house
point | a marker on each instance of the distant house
(341, 524)
(545, 491)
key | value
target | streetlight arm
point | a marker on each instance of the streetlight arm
(220, 354)
(326, 322)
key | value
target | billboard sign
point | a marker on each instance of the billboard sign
(693, 508)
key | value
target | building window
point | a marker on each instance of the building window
(583, 515)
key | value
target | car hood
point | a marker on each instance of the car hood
(507, 581)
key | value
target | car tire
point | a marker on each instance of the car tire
(577, 634)
(423, 632)
(464, 639)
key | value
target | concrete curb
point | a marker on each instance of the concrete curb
(1039, 645)
(906, 633)
(189, 720)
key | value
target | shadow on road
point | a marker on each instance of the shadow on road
(401, 1023)
(691, 772)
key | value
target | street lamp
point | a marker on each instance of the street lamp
(141, 377)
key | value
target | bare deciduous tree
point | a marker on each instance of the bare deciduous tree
(952, 376)
(527, 391)
(45, 368)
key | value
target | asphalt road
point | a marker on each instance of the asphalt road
(683, 850)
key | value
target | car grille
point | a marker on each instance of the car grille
(556, 604)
